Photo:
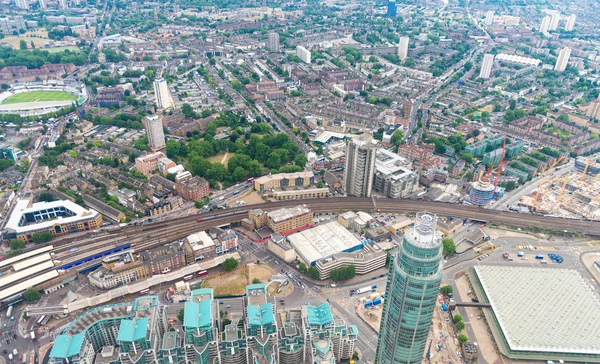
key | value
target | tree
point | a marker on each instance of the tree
(17, 244)
(41, 237)
(22, 44)
(513, 104)
(256, 281)
(300, 160)
(463, 339)
(230, 264)
(457, 319)
(313, 272)
(467, 66)
(449, 246)
(31, 295)
(460, 326)
(467, 157)
(397, 137)
(343, 274)
(302, 268)
(446, 290)
(181, 314)
(47, 197)
(187, 110)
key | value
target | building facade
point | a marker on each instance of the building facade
(270, 182)
(273, 42)
(403, 48)
(164, 100)
(148, 163)
(154, 130)
(414, 279)
(360, 166)
(303, 54)
(486, 66)
(193, 189)
(563, 59)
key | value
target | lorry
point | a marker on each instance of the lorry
(363, 290)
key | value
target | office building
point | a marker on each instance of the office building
(42, 4)
(285, 221)
(360, 166)
(486, 66)
(489, 18)
(303, 53)
(413, 282)
(391, 8)
(570, 24)
(554, 21)
(545, 25)
(563, 59)
(273, 42)
(403, 48)
(393, 177)
(154, 130)
(164, 100)
(22, 4)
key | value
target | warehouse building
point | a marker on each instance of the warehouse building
(271, 182)
(540, 313)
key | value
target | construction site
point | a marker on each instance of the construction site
(574, 195)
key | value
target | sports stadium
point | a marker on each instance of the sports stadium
(38, 98)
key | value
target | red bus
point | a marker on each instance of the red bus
(188, 278)
(144, 291)
(202, 273)
(251, 179)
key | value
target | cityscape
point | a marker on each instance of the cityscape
(299, 182)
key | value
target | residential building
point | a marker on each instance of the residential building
(489, 18)
(42, 4)
(284, 221)
(193, 189)
(261, 327)
(570, 24)
(279, 246)
(118, 269)
(62, 4)
(360, 166)
(301, 194)
(594, 110)
(107, 211)
(159, 208)
(164, 100)
(199, 246)
(109, 96)
(413, 283)
(200, 323)
(164, 259)
(59, 217)
(330, 340)
(393, 177)
(273, 42)
(154, 130)
(554, 20)
(303, 53)
(271, 182)
(545, 25)
(403, 48)
(563, 59)
(148, 163)
(391, 8)
(22, 4)
(486, 66)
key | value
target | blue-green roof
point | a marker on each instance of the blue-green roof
(261, 315)
(202, 291)
(198, 314)
(319, 315)
(66, 346)
(133, 330)
(252, 287)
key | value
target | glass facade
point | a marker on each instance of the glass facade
(413, 282)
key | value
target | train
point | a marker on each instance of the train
(207, 218)
(95, 256)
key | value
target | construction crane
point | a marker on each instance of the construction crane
(501, 166)
(543, 181)
(587, 164)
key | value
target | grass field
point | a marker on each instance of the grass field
(222, 158)
(33, 96)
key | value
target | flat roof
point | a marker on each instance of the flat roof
(287, 213)
(543, 309)
(279, 176)
(323, 241)
(200, 240)
(22, 207)
(18, 288)
(25, 255)
(31, 262)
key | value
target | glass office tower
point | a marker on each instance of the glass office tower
(413, 282)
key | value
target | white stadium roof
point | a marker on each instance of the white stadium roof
(543, 309)
(323, 241)
(512, 58)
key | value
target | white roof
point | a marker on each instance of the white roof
(23, 256)
(178, 168)
(518, 59)
(21, 208)
(31, 262)
(25, 273)
(200, 240)
(18, 288)
(326, 135)
(543, 309)
(323, 241)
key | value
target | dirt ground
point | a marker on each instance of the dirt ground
(442, 333)
(231, 283)
(222, 158)
(488, 108)
(273, 287)
(260, 271)
(371, 316)
(500, 234)
(253, 198)
(483, 337)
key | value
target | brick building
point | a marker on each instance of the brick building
(193, 189)
(148, 163)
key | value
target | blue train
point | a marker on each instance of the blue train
(95, 256)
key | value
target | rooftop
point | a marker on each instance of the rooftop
(390, 163)
(45, 214)
(323, 241)
(287, 213)
(200, 240)
(543, 309)
(319, 315)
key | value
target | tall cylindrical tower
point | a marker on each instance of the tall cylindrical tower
(414, 279)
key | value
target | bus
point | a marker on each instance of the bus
(202, 273)
(9, 312)
(250, 180)
(188, 278)
(144, 291)
(41, 320)
(32, 335)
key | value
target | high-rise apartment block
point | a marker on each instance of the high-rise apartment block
(22, 4)
(42, 5)
(253, 332)
(360, 166)
(273, 42)
(563, 59)
(545, 25)
(403, 48)
(154, 130)
(489, 18)
(62, 4)
(413, 282)
(486, 66)
(554, 20)
(164, 100)
(392, 9)
(570, 24)
(303, 53)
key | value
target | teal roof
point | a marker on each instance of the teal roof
(133, 330)
(202, 291)
(66, 346)
(261, 315)
(198, 314)
(319, 315)
(252, 287)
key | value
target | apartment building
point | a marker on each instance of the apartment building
(193, 189)
(148, 163)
